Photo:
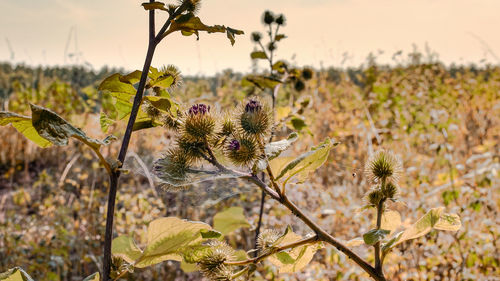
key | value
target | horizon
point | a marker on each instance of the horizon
(341, 33)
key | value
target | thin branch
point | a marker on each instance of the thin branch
(162, 34)
(378, 260)
(275, 250)
(320, 232)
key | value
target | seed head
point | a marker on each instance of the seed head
(191, 148)
(268, 17)
(271, 46)
(374, 196)
(169, 122)
(389, 190)
(299, 85)
(193, 6)
(383, 166)
(242, 150)
(198, 124)
(280, 20)
(253, 106)
(211, 264)
(255, 119)
(151, 111)
(267, 238)
(199, 109)
(172, 71)
(172, 168)
(256, 36)
(307, 73)
(234, 145)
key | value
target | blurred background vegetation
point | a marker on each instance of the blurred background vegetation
(444, 122)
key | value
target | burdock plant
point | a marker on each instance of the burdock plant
(249, 149)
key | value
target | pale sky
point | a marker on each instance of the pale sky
(114, 32)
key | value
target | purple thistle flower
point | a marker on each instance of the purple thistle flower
(253, 106)
(200, 108)
(234, 145)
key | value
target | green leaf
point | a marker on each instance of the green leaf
(125, 248)
(52, 127)
(422, 226)
(434, 218)
(24, 126)
(105, 122)
(230, 220)
(188, 267)
(449, 222)
(123, 108)
(258, 55)
(116, 83)
(132, 78)
(161, 103)
(354, 242)
(155, 5)
(375, 235)
(260, 81)
(93, 277)
(279, 37)
(280, 66)
(307, 162)
(15, 274)
(391, 220)
(189, 24)
(285, 258)
(210, 234)
(274, 149)
(230, 32)
(298, 123)
(163, 81)
(294, 259)
(166, 237)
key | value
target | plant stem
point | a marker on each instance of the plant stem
(113, 187)
(320, 232)
(378, 262)
(113, 178)
(259, 222)
(273, 251)
(326, 237)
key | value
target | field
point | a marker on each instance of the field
(444, 123)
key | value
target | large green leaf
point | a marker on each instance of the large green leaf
(125, 248)
(230, 220)
(15, 274)
(93, 277)
(24, 126)
(434, 218)
(166, 237)
(52, 127)
(307, 162)
(293, 260)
